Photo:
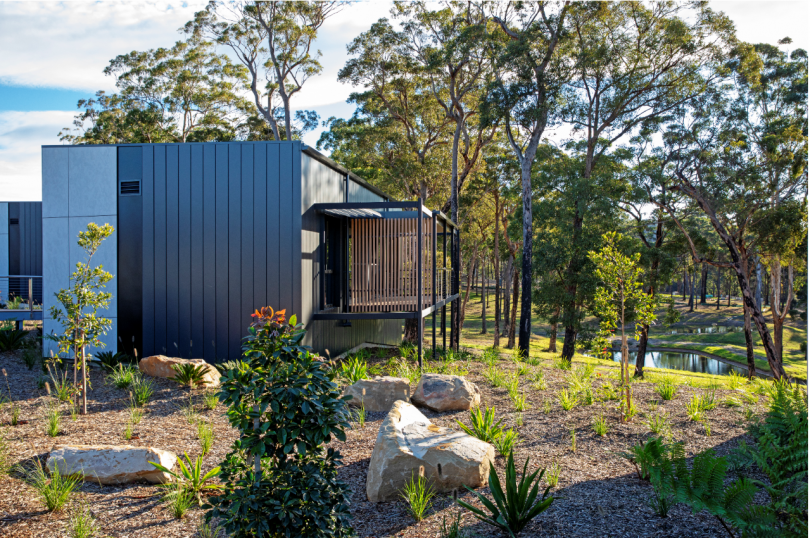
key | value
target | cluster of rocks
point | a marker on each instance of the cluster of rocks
(409, 444)
(122, 464)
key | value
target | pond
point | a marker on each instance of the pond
(689, 362)
(716, 329)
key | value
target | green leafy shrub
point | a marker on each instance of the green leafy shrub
(694, 409)
(658, 421)
(483, 423)
(648, 454)
(418, 495)
(515, 508)
(280, 478)
(11, 339)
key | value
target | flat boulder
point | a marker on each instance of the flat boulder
(161, 366)
(112, 464)
(378, 393)
(440, 392)
(408, 445)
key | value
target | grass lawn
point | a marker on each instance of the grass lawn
(728, 345)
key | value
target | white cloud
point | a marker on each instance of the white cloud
(21, 136)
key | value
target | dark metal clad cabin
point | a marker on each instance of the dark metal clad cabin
(21, 259)
(207, 233)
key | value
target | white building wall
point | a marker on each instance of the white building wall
(79, 186)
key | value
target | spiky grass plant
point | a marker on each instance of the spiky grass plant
(483, 425)
(210, 400)
(53, 489)
(658, 421)
(506, 441)
(123, 376)
(553, 476)
(568, 399)
(694, 409)
(666, 389)
(600, 425)
(142, 391)
(360, 417)
(128, 431)
(735, 380)
(562, 364)
(418, 495)
(519, 401)
(518, 419)
(205, 434)
(82, 524)
(53, 418)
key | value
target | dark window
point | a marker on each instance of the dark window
(331, 263)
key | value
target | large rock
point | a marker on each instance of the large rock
(160, 366)
(440, 392)
(378, 393)
(112, 464)
(408, 444)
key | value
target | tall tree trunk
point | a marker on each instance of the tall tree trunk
(483, 299)
(552, 337)
(704, 277)
(758, 293)
(510, 343)
(569, 307)
(496, 342)
(691, 283)
(683, 286)
(526, 262)
(719, 276)
(749, 342)
(507, 293)
(779, 308)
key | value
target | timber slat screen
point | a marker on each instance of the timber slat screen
(383, 266)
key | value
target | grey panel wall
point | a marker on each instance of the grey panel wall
(78, 187)
(218, 243)
(322, 184)
(3, 239)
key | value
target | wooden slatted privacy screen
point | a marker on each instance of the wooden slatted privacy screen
(384, 265)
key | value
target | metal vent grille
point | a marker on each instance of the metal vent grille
(13, 221)
(131, 188)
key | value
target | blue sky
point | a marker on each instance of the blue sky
(54, 53)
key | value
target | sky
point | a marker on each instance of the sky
(54, 53)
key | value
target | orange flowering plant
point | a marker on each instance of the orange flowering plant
(280, 478)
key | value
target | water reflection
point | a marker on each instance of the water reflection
(689, 362)
(717, 329)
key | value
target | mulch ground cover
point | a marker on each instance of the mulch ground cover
(598, 494)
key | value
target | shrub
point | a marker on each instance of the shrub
(519, 401)
(190, 375)
(11, 339)
(568, 399)
(418, 495)
(286, 407)
(515, 508)
(666, 389)
(29, 358)
(658, 421)
(110, 360)
(54, 489)
(483, 423)
(694, 409)
(506, 441)
(600, 425)
(644, 456)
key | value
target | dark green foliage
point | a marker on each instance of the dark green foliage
(110, 360)
(781, 454)
(483, 423)
(11, 340)
(515, 508)
(190, 375)
(284, 403)
(648, 454)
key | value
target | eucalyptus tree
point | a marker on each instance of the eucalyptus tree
(185, 93)
(446, 45)
(274, 41)
(771, 107)
(523, 50)
(632, 63)
(712, 165)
